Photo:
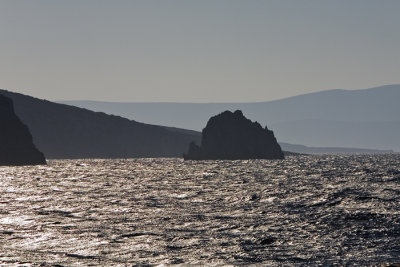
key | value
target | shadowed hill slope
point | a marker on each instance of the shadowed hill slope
(61, 131)
(16, 146)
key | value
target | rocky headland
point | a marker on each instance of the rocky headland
(16, 144)
(68, 132)
(230, 135)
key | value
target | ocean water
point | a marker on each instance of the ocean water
(305, 210)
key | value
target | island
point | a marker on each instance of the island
(16, 144)
(231, 136)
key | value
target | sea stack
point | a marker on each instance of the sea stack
(231, 136)
(16, 144)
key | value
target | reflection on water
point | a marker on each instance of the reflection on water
(305, 210)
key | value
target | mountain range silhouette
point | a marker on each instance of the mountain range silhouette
(366, 118)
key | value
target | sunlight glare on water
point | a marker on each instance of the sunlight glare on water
(305, 210)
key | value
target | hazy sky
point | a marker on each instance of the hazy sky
(197, 51)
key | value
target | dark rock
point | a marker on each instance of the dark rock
(230, 135)
(16, 145)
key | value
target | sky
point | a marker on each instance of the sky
(196, 51)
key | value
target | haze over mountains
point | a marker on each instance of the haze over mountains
(367, 118)
(62, 131)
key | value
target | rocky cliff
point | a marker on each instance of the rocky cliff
(16, 145)
(230, 135)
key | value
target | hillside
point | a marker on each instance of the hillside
(62, 131)
(367, 118)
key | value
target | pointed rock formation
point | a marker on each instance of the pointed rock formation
(16, 145)
(230, 135)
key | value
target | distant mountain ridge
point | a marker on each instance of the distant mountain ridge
(365, 118)
(330, 150)
(61, 131)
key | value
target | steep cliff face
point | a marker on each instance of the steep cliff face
(16, 145)
(230, 135)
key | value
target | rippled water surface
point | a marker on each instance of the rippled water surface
(305, 210)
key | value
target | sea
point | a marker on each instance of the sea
(327, 210)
